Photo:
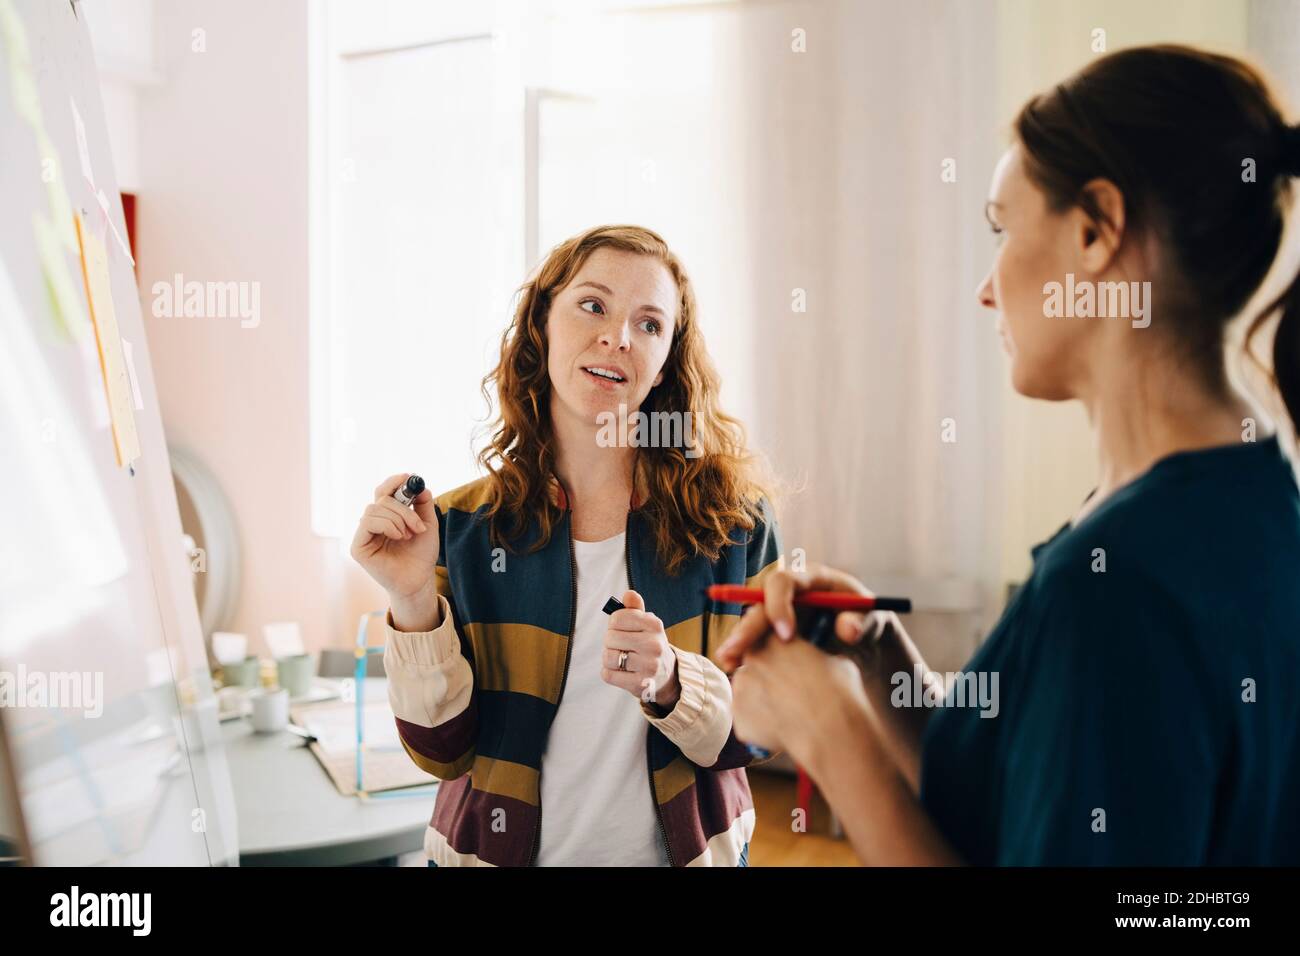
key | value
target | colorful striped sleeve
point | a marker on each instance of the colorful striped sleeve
(432, 691)
(700, 722)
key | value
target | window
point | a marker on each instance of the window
(452, 146)
(417, 247)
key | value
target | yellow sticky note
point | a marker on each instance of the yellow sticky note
(99, 292)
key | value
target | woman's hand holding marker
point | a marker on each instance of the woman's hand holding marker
(777, 612)
(397, 545)
(638, 657)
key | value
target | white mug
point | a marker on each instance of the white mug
(270, 709)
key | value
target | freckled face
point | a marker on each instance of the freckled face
(1034, 248)
(608, 334)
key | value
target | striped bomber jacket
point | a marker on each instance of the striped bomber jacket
(474, 699)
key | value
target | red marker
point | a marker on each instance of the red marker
(834, 600)
(822, 629)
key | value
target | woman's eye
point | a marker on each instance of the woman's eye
(653, 326)
(999, 232)
(596, 306)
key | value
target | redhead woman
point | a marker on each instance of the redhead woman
(568, 735)
(1147, 712)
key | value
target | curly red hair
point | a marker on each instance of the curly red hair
(695, 503)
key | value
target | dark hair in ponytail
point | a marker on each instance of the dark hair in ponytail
(1178, 131)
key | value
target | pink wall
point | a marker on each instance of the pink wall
(223, 197)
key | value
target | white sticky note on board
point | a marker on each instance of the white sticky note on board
(110, 229)
(283, 638)
(130, 373)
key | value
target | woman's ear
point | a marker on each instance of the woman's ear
(1099, 238)
(658, 378)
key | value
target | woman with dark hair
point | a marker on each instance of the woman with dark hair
(1147, 713)
(511, 677)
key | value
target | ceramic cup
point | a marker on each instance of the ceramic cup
(270, 709)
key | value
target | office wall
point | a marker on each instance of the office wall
(223, 159)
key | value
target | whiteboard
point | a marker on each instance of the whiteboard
(111, 739)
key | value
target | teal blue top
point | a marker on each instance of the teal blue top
(1147, 710)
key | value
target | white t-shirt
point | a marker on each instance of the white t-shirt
(597, 807)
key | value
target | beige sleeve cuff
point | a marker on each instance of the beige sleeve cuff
(429, 680)
(700, 723)
(421, 648)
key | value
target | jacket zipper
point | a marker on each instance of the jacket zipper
(649, 764)
(564, 679)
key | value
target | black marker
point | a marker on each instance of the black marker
(410, 491)
(612, 605)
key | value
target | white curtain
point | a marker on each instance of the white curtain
(847, 201)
